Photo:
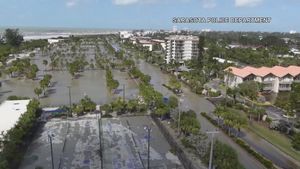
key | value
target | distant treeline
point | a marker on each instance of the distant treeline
(13, 42)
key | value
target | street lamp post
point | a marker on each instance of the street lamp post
(123, 92)
(211, 147)
(99, 118)
(70, 102)
(148, 129)
(51, 150)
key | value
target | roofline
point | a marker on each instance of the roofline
(270, 71)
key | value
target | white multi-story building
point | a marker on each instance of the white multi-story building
(180, 48)
(125, 34)
(274, 79)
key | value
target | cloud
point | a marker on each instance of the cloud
(130, 2)
(127, 2)
(209, 3)
(247, 3)
(71, 3)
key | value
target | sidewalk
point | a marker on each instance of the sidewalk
(196, 162)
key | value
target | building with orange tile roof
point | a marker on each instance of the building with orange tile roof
(275, 78)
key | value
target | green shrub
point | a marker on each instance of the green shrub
(187, 144)
(13, 97)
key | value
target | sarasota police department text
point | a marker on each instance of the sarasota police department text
(222, 20)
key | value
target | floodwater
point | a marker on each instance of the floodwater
(189, 100)
(90, 82)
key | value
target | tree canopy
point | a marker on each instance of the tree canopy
(15, 141)
(224, 157)
(22, 67)
(249, 89)
(85, 105)
(189, 123)
(13, 37)
(295, 97)
(231, 118)
(296, 141)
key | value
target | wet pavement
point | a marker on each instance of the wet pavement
(76, 145)
(126, 145)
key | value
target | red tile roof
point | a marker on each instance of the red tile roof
(278, 71)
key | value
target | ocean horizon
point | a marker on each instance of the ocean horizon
(54, 32)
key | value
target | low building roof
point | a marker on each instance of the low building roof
(278, 71)
(10, 112)
(183, 38)
(145, 42)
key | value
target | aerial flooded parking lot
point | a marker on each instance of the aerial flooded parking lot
(76, 145)
(126, 145)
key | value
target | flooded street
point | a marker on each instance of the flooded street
(198, 104)
(190, 100)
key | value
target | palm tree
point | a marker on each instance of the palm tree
(38, 92)
(239, 122)
(45, 63)
(228, 76)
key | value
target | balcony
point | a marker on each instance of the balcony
(268, 88)
(285, 82)
(267, 81)
(285, 88)
(297, 80)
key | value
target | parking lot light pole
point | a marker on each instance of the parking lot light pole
(99, 118)
(123, 92)
(179, 122)
(211, 147)
(148, 146)
(148, 152)
(51, 150)
(70, 102)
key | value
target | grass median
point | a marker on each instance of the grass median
(278, 140)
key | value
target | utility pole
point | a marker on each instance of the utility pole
(70, 102)
(211, 146)
(51, 150)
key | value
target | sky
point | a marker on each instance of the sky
(148, 14)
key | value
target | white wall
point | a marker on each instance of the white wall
(233, 81)
(149, 46)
